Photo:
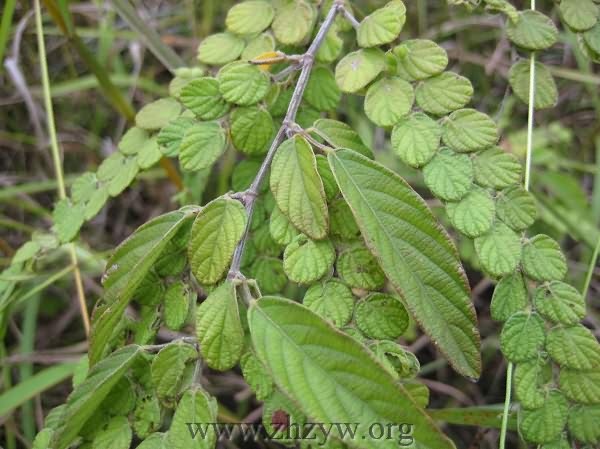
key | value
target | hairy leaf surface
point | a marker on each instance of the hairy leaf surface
(414, 252)
(127, 268)
(216, 231)
(298, 189)
(332, 377)
(219, 328)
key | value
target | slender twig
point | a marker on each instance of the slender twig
(251, 194)
(57, 160)
(348, 15)
(530, 117)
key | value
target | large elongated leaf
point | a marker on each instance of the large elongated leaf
(88, 395)
(415, 253)
(331, 376)
(127, 268)
(298, 189)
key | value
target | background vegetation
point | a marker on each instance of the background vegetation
(104, 65)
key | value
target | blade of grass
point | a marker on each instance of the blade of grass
(5, 27)
(35, 290)
(35, 385)
(164, 54)
(26, 369)
(113, 94)
(57, 159)
(489, 416)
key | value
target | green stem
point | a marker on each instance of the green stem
(507, 398)
(56, 157)
(590, 272)
(527, 182)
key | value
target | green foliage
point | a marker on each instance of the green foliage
(332, 300)
(219, 328)
(416, 138)
(344, 234)
(381, 316)
(298, 189)
(216, 231)
(397, 239)
(301, 337)
(382, 26)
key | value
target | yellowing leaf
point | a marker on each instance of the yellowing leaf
(396, 223)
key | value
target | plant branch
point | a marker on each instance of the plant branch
(348, 15)
(251, 194)
(57, 159)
